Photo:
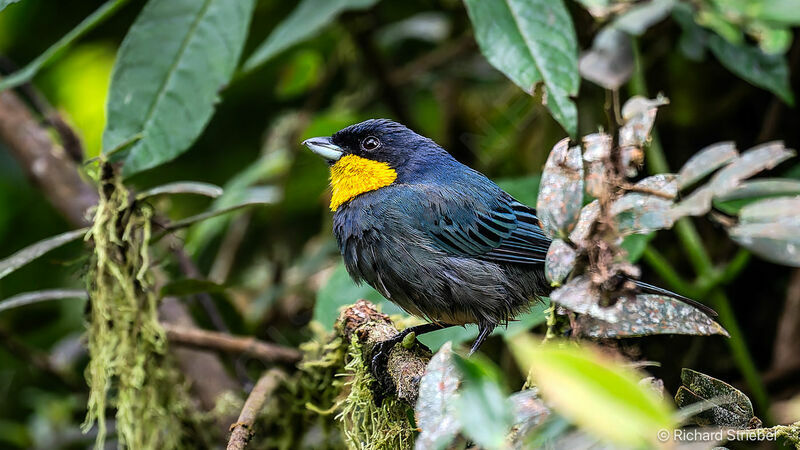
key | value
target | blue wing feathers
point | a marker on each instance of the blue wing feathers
(491, 226)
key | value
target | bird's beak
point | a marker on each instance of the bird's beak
(325, 148)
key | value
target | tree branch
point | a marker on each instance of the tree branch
(241, 431)
(404, 368)
(45, 163)
(265, 351)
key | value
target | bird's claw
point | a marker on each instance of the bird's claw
(378, 366)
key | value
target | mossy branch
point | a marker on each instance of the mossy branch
(405, 366)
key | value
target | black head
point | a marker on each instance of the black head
(378, 140)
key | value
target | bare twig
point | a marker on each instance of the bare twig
(264, 351)
(241, 431)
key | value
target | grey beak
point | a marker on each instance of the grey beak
(324, 147)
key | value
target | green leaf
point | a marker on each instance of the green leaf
(482, 408)
(4, 3)
(786, 12)
(436, 405)
(726, 405)
(25, 74)
(182, 187)
(30, 298)
(38, 249)
(771, 40)
(770, 72)
(597, 394)
(190, 286)
(532, 42)
(170, 68)
(306, 20)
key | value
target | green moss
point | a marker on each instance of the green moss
(365, 425)
(328, 404)
(129, 369)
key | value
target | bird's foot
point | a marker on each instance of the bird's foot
(379, 361)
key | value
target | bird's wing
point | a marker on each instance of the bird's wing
(491, 227)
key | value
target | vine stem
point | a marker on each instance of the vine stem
(701, 262)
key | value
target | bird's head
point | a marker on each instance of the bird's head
(374, 154)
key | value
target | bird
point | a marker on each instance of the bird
(432, 235)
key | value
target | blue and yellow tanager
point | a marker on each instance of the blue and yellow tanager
(432, 235)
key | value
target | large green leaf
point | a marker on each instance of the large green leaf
(532, 42)
(601, 396)
(170, 68)
(29, 71)
(770, 72)
(306, 20)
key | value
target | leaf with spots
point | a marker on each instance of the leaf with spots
(561, 190)
(722, 404)
(648, 314)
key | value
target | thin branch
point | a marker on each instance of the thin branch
(265, 351)
(241, 431)
(226, 255)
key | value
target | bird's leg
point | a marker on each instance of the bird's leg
(380, 353)
(485, 331)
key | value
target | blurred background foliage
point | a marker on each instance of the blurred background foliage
(414, 61)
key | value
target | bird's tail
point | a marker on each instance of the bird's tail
(650, 289)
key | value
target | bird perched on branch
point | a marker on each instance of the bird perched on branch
(432, 235)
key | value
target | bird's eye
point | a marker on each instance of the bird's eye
(370, 143)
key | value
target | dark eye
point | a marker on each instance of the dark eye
(370, 143)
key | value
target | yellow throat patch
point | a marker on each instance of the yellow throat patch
(353, 175)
